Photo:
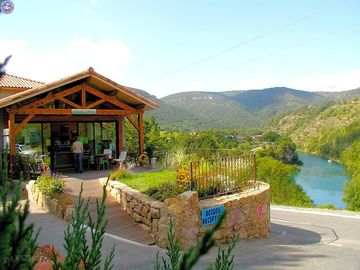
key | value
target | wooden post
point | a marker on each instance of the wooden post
(83, 96)
(11, 126)
(1, 142)
(12, 134)
(121, 133)
(141, 132)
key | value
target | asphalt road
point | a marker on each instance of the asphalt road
(300, 239)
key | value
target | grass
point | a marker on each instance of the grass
(144, 181)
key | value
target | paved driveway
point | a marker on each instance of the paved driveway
(300, 239)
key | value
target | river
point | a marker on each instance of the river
(321, 180)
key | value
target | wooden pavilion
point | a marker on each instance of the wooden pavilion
(86, 104)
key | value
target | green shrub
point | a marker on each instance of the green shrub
(49, 185)
(326, 206)
(164, 191)
(119, 173)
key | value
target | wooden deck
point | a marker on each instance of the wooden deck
(119, 222)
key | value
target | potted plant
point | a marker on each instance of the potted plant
(149, 149)
(142, 160)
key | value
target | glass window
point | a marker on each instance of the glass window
(98, 139)
(109, 136)
(29, 140)
(46, 141)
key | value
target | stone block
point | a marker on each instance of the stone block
(155, 212)
(162, 234)
(235, 216)
(137, 217)
(36, 196)
(59, 211)
(53, 205)
(145, 210)
(145, 227)
(137, 208)
(154, 226)
(118, 197)
(47, 203)
(242, 233)
(40, 200)
(69, 213)
(185, 214)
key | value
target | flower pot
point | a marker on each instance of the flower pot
(153, 162)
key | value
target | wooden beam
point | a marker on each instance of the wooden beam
(95, 103)
(70, 118)
(69, 102)
(132, 121)
(69, 91)
(141, 132)
(52, 97)
(44, 111)
(83, 95)
(49, 98)
(23, 123)
(110, 99)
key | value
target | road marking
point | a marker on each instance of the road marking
(315, 212)
(334, 244)
(292, 222)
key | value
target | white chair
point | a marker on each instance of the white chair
(120, 161)
(108, 152)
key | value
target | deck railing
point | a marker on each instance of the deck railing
(222, 175)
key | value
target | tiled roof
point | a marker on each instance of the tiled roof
(12, 81)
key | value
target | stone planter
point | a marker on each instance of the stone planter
(48, 204)
(243, 215)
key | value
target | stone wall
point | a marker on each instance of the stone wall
(48, 204)
(244, 218)
(248, 214)
(142, 208)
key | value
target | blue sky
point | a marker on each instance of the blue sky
(169, 46)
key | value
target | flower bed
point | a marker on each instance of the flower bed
(53, 202)
(43, 255)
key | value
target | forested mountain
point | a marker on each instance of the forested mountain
(333, 131)
(234, 109)
(325, 130)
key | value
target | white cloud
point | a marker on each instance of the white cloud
(257, 83)
(93, 2)
(158, 90)
(107, 56)
(328, 82)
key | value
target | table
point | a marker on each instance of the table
(97, 160)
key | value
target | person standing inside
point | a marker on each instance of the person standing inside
(78, 149)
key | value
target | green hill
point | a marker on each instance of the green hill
(325, 130)
(234, 109)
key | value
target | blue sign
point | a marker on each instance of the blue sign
(211, 215)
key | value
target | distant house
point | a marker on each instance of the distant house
(256, 137)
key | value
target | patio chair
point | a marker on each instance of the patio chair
(120, 161)
(104, 159)
(103, 162)
(33, 173)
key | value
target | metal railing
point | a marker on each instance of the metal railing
(210, 153)
(222, 175)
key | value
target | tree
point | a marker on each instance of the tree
(17, 239)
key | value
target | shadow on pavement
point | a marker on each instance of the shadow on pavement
(284, 249)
